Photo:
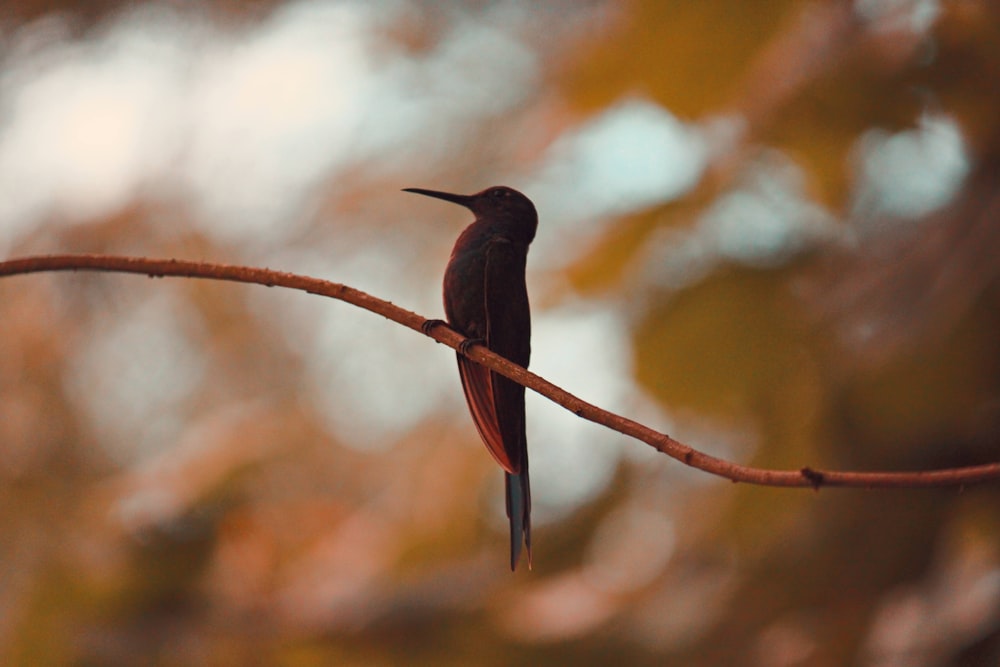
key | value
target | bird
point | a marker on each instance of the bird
(486, 300)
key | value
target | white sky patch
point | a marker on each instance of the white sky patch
(765, 221)
(370, 379)
(86, 125)
(136, 375)
(910, 173)
(421, 108)
(913, 15)
(769, 219)
(484, 68)
(634, 155)
(586, 350)
(242, 125)
(273, 110)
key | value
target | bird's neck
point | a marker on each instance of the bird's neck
(518, 231)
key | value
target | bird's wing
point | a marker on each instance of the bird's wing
(496, 403)
(508, 333)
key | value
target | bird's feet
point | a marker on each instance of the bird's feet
(468, 344)
(428, 325)
(463, 347)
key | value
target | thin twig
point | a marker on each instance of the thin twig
(804, 477)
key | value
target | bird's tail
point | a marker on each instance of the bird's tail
(519, 511)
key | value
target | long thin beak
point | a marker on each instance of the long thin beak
(461, 200)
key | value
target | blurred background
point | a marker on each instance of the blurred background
(769, 229)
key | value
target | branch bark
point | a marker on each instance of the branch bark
(804, 477)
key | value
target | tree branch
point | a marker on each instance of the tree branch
(805, 477)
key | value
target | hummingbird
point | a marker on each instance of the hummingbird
(486, 300)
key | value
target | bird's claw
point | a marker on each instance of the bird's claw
(468, 344)
(428, 325)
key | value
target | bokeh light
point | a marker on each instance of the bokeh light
(767, 229)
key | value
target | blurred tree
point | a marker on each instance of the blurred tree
(198, 473)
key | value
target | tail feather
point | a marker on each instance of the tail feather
(519, 512)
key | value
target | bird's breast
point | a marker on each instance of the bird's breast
(465, 291)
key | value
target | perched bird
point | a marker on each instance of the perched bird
(485, 299)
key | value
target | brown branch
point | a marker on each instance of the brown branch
(805, 477)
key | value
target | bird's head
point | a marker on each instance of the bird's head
(505, 207)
